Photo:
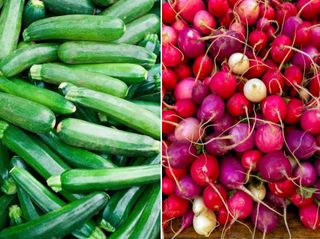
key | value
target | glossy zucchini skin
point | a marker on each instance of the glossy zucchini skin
(6, 183)
(64, 7)
(123, 111)
(60, 222)
(23, 58)
(138, 29)
(54, 101)
(83, 134)
(26, 114)
(75, 27)
(5, 202)
(104, 3)
(82, 52)
(33, 11)
(151, 106)
(79, 158)
(129, 10)
(10, 26)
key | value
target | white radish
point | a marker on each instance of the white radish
(255, 90)
(239, 63)
(204, 223)
(258, 191)
(198, 206)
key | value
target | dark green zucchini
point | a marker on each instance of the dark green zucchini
(15, 215)
(5, 202)
(33, 11)
(86, 180)
(129, 10)
(138, 29)
(75, 27)
(23, 58)
(7, 185)
(10, 26)
(29, 211)
(26, 114)
(151, 43)
(123, 111)
(64, 7)
(60, 222)
(104, 3)
(55, 73)
(79, 158)
(48, 98)
(127, 72)
(83, 134)
(82, 52)
(86, 114)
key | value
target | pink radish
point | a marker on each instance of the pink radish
(274, 108)
(310, 121)
(183, 89)
(188, 189)
(204, 22)
(269, 138)
(190, 44)
(211, 109)
(242, 137)
(189, 129)
(223, 84)
(189, 8)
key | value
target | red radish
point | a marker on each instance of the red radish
(274, 108)
(168, 117)
(171, 56)
(314, 86)
(199, 92)
(169, 79)
(248, 11)
(188, 189)
(266, 11)
(205, 169)
(258, 39)
(239, 28)
(283, 188)
(317, 166)
(263, 24)
(315, 35)
(305, 59)
(303, 34)
(169, 35)
(294, 109)
(274, 81)
(301, 200)
(183, 71)
(310, 216)
(250, 159)
(305, 174)
(256, 69)
(183, 89)
(168, 13)
(232, 174)
(279, 49)
(223, 84)
(275, 201)
(238, 105)
(286, 10)
(168, 186)
(189, 8)
(290, 26)
(190, 44)
(204, 22)
(255, 90)
(317, 187)
(227, 19)
(216, 146)
(223, 124)
(293, 75)
(264, 219)
(242, 139)
(174, 174)
(223, 216)
(301, 144)
(310, 121)
(211, 109)
(185, 108)
(175, 206)
(187, 220)
(275, 167)
(181, 154)
(310, 8)
(202, 66)
(179, 25)
(240, 205)
(269, 138)
(211, 196)
(189, 129)
(218, 8)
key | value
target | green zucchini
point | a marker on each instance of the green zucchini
(151, 106)
(48, 98)
(60, 222)
(148, 199)
(33, 11)
(6, 183)
(104, 3)
(5, 202)
(139, 29)
(155, 231)
(23, 44)
(15, 215)
(151, 43)
(75, 27)
(48, 201)
(129, 10)
(121, 110)
(98, 52)
(83, 134)
(10, 26)
(79, 158)
(29, 212)
(1, 3)
(64, 7)
(23, 58)
(26, 114)
(86, 114)
(127, 72)
(120, 160)
(56, 73)
(86, 180)
(153, 97)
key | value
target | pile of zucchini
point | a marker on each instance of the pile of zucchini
(79, 119)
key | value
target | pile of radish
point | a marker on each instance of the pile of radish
(241, 114)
